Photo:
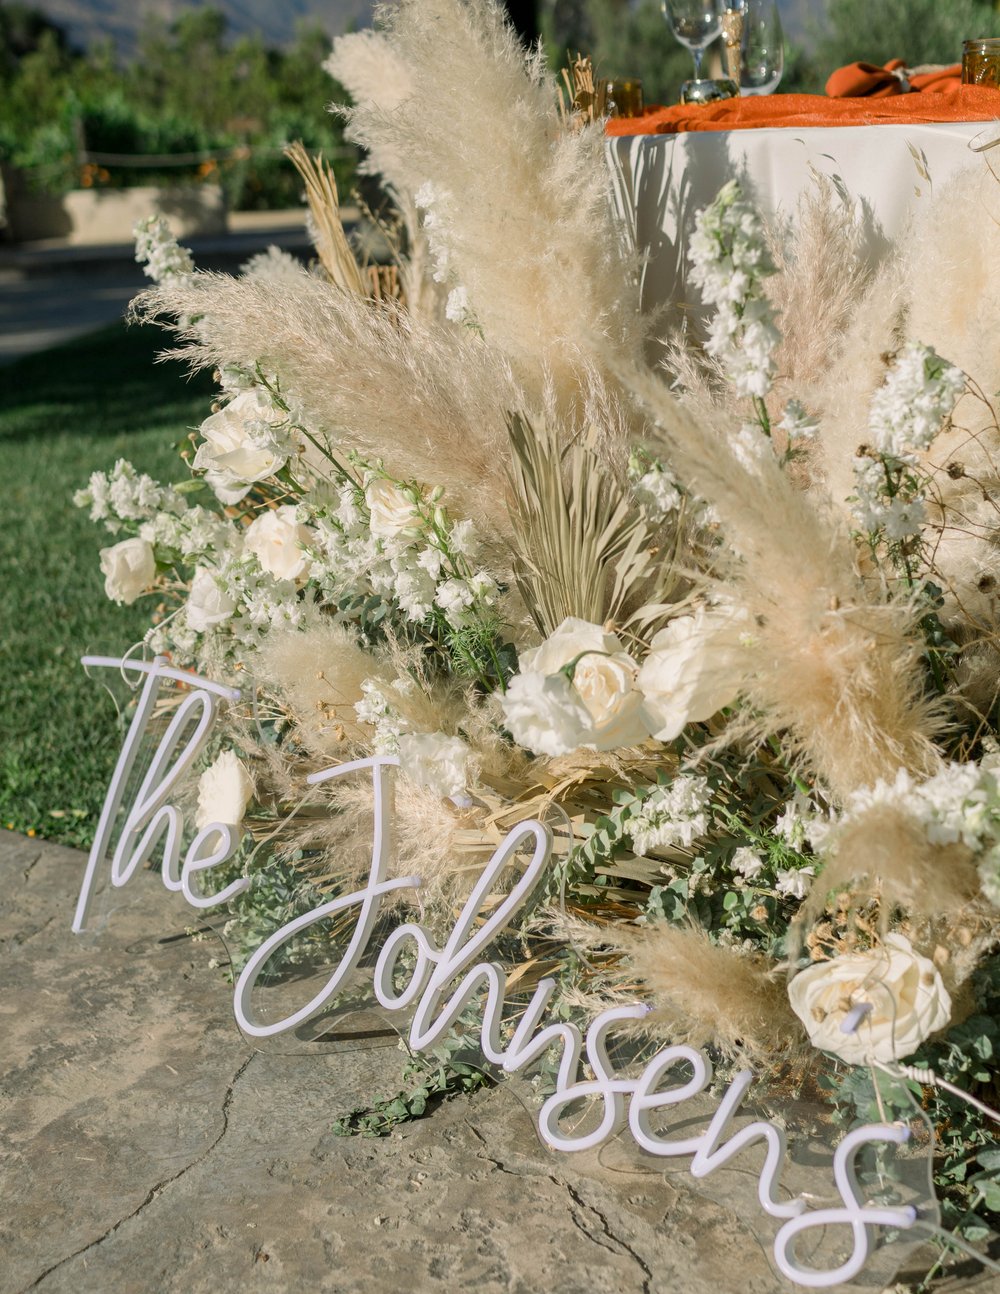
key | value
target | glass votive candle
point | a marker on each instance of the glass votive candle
(620, 97)
(981, 63)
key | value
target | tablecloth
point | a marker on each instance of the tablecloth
(887, 172)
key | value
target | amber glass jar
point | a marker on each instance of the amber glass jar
(981, 63)
(621, 97)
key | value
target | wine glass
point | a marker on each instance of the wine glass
(695, 23)
(763, 58)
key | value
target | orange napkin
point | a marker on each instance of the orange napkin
(876, 82)
(950, 103)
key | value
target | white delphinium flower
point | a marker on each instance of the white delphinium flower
(797, 423)
(375, 710)
(795, 882)
(674, 815)
(156, 246)
(457, 306)
(907, 412)
(125, 495)
(655, 492)
(435, 205)
(747, 862)
(435, 761)
(730, 261)
(910, 407)
(960, 804)
(272, 264)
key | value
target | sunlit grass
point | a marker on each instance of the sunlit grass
(63, 414)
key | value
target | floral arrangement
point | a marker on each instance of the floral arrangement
(732, 616)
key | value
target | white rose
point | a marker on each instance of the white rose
(237, 450)
(276, 538)
(434, 761)
(224, 791)
(907, 997)
(693, 669)
(551, 715)
(391, 511)
(129, 568)
(208, 603)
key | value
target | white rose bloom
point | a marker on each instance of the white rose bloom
(391, 511)
(434, 761)
(208, 603)
(907, 997)
(237, 449)
(224, 791)
(129, 568)
(693, 669)
(276, 538)
(544, 713)
(600, 707)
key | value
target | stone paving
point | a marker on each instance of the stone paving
(147, 1148)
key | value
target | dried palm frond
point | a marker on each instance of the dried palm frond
(332, 247)
(581, 546)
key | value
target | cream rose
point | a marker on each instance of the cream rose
(693, 669)
(240, 446)
(224, 791)
(129, 568)
(598, 707)
(391, 511)
(208, 604)
(906, 996)
(276, 539)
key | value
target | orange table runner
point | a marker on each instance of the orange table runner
(953, 103)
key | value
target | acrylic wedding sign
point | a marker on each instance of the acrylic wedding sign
(825, 1235)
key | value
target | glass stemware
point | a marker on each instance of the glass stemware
(695, 23)
(763, 58)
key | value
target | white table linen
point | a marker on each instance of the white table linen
(662, 181)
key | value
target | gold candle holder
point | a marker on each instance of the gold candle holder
(620, 97)
(732, 36)
(981, 63)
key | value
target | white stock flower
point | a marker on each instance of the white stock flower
(129, 568)
(693, 669)
(599, 707)
(907, 998)
(242, 444)
(435, 761)
(224, 791)
(391, 510)
(208, 602)
(276, 539)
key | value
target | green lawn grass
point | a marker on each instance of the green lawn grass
(64, 413)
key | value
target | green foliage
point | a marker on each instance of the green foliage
(918, 31)
(623, 39)
(188, 91)
(427, 1085)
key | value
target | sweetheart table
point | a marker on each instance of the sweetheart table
(886, 171)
